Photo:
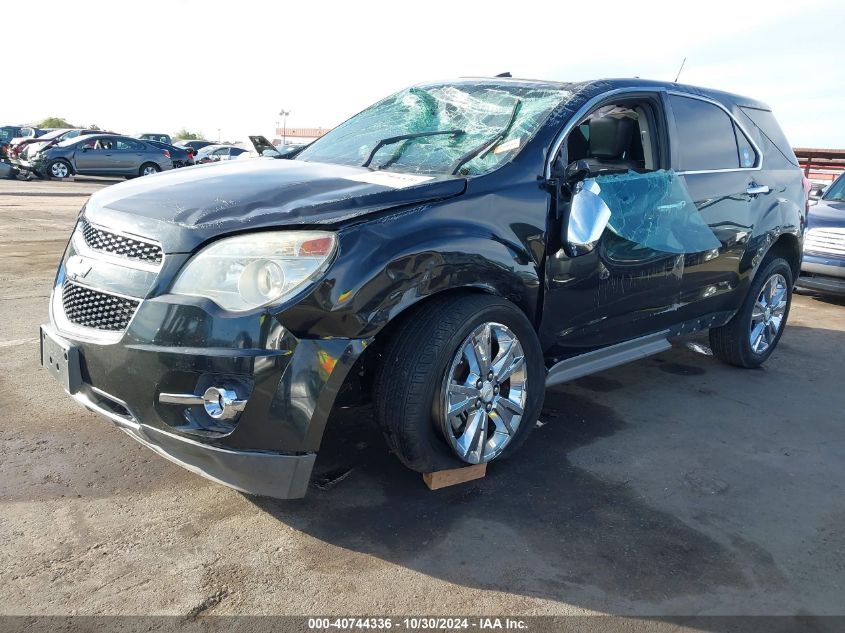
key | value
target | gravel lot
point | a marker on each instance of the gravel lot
(675, 485)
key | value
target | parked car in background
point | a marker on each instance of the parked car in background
(100, 155)
(446, 254)
(215, 153)
(197, 144)
(181, 156)
(18, 149)
(823, 266)
(816, 190)
(8, 133)
(161, 138)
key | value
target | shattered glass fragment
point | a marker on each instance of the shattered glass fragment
(655, 211)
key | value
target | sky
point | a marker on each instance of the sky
(159, 66)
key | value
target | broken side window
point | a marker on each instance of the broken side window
(654, 210)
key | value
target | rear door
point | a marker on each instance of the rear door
(129, 154)
(720, 165)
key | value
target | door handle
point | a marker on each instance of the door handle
(754, 189)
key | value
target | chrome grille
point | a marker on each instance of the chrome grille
(825, 241)
(92, 308)
(120, 245)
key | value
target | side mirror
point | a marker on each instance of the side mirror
(84, 148)
(576, 171)
(588, 217)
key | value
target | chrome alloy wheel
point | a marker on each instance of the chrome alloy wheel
(149, 170)
(59, 170)
(484, 393)
(767, 314)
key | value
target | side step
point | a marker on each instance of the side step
(607, 357)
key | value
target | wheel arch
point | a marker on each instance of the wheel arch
(358, 384)
(788, 246)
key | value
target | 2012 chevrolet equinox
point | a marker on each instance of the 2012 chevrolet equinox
(448, 252)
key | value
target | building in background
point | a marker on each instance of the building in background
(298, 135)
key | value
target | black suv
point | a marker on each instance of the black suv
(447, 253)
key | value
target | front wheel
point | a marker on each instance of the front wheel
(58, 169)
(751, 336)
(148, 169)
(460, 382)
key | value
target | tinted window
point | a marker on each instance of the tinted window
(236, 151)
(705, 136)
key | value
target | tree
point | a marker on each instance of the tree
(54, 121)
(185, 135)
(94, 127)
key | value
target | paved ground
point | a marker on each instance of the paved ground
(673, 485)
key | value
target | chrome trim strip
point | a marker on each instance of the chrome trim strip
(184, 399)
(82, 398)
(584, 110)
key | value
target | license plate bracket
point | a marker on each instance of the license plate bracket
(61, 358)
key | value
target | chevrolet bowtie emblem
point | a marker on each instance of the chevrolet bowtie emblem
(77, 268)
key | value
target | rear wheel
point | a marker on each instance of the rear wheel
(59, 168)
(461, 382)
(148, 169)
(751, 336)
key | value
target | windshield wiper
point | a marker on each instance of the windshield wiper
(487, 146)
(404, 137)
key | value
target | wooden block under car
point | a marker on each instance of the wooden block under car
(453, 476)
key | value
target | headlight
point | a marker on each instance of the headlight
(250, 271)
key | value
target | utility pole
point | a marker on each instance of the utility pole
(284, 114)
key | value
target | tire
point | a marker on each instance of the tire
(734, 342)
(148, 169)
(59, 169)
(421, 366)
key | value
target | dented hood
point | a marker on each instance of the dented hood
(184, 208)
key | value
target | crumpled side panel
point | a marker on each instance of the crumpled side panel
(655, 211)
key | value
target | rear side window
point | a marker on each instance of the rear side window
(707, 138)
(128, 144)
(766, 123)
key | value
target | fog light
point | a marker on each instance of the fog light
(218, 402)
(222, 404)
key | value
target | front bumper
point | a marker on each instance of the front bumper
(253, 472)
(822, 273)
(290, 386)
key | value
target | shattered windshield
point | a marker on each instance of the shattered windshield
(468, 128)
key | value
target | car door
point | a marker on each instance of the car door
(720, 167)
(128, 156)
(91, 156)
(628, 284)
